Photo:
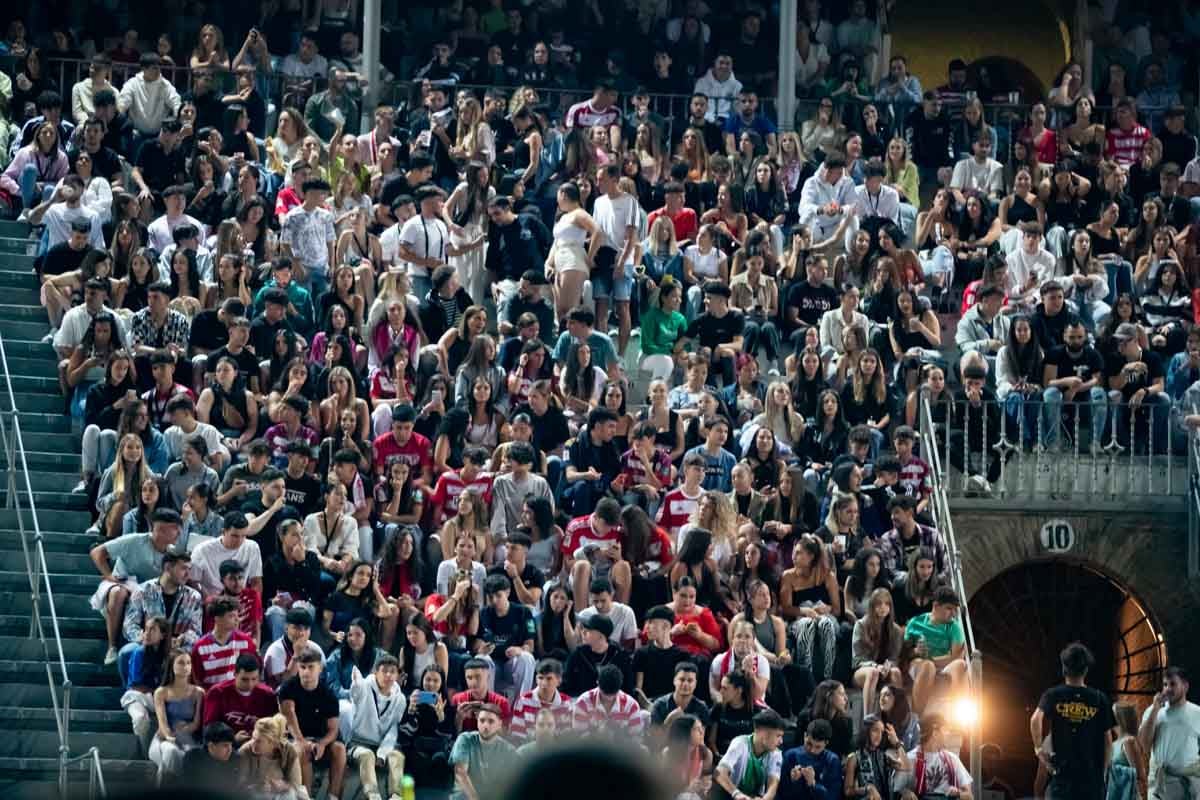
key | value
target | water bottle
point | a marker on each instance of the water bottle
(408, 789)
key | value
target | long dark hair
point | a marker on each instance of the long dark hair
(543, 516)
(695, 549)
(582, 383)
(365, 661)
(391, 556)
(552, 619)
(408, 652)
(193, 276)
(901, 708)
(638, 530)
(1024, 360)
(857, 582)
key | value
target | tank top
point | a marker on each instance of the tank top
(1021, 211)
(664, 439)
(1064, 213)
(180, 711)
(810, 596)
(568, 234)
(705, 265)
(217, 415)
(422, 660)
(1104, 246)
(764, 632)
(485, 434)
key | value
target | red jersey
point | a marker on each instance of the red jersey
(287, 199)
(580, 533)
(223, 703)
(707, 622)
(417, 452)
(585, 115)
(687, 225)
(213, 662)
(468, 720)
(450, 485)
(658, 549)
(1125, 147)
(526, 709)
(676, 509)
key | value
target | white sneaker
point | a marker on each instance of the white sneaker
(977, 484)
(111, 656)
(49, 337)
(80, 487)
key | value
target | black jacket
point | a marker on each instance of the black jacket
(433, 316)
(583, 667)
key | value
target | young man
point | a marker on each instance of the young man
(307, 237)
(625, 630)
(450, 485)
(980, 175)
(685, 220)
(548, 676)
(402, 443)
(299, 312)
(752, 766)
(302, 491)
(581, 328)
(1074, 375)
(937, 772)
(510, 633)
(718, 462)
(280, 661)
(608, 711)
(983, 328)
(311, 709)
(233, 544)
(1138, 387)
(161, 232)
(616, 215)
(826, 198)
(720, 84)
(481, 757)
(168, 591)
(654, 664)
(811, 772)
(907, 536)
(217, 652)
(160, 163)
(378, 708)
(595, 651)
(1080, 721)
(478, 675)
(244, 480)
(265, 327)
(646, 471)
(182, 412)
(241, 702)
(601, 109)
(159, 335)
(914, 472)
(292, 195)
(592, 545)
(233, 587)
(291, 579)
(425, 241)
(510, 489)
(527, 580)
(682, 700)
(939, 647)
(593, 463)
(63, 210)
(1125, 140)
(207, 768)
(290, 428)
(719, 329)
(679, 503)
(1169, 732)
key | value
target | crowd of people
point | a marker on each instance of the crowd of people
(511, 417)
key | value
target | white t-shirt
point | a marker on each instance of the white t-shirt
(207, 558)
(275, 660)
(727, 662)
(447, 570)
(614, 217)
(622, 617)
(939, 767)
(704, 265)
(1177, 737)
(427, 238)
(389, 243)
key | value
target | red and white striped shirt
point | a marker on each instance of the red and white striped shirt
(1126, 146)
(626, 716)
(585, 115)
(450, 486)
(213, 662)
(676, 509)
(914, 477)
(580, 533)
(526, 709)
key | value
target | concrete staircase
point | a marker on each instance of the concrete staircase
(29, 754)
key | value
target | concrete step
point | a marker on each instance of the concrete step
(34, 312)
(62, 582)
(23, 294)
(41, 481)
(18, 245)
(89, 625)
(83, 673)
(29, 347)
(44, 744)
(42, 366)
(25, 649)
(36, 778)
(63, 564)
(11, 276)
(37, 695)
(42, 719)
(24, 328)
(18, 259)
(15, 229)
(64, 443)
(42, 422)
(52, 501)
(56, 462)
(67, 605)
(40, 403)
(62, 522)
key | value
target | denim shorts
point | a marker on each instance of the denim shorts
(604, 287)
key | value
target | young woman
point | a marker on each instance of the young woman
(912, 274)
(131, 292)
(647, 146)
(1022, 205)
(465, 214)
(823, 131)
(343, 397)
(581, 384)
(137, 520)
(665, 419)
(727, 220)
(58, 290)
(1167, 307)
(88, 365)
(1127, 772)
(1136, 243)
(864, 400)
(343, 291)
(696, 630)
(896, 713)
(1083, 131)
(229, 407)
(1162, 248)
(143, 676)
(878, 755)
(471, 522)
(357, 595)
(177, 710)
(915, 336)
(394, 330)
(900, 172)
(764, 202)
(36, 168)
(1084, 282)
(420, 651)
(231, 281)
(269, 764)
(933, 385)
(810, 601)
(914, 595)
(527, 149)
(702, 261)
(824, 439)
(210, 50)
(120, 483)
(200, 517)
(694, 151)
(686, 759)
(556, 631)
(742, 656)
(357, 244)
(876, 648)
(1106, 246)
(393, 384)
(715, 514)
(733, 713)
(830, 703)
(1019, 375)
(765, 463)
(186, 287)
(356, 651)
(851, 268)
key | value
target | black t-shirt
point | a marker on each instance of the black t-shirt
(512, 630)
(550, 431)
(262, 335)
(657, 665)
(161, 169)
(1049, 330)
(711, 331)
(539, 308)
(585, 453)
(531, 576)
(313, 709)
(208, 331)
(1154, 371)
(519, 246)
(1079, 718)
(663, 706)
(61, 259)
(247, 362)
(811, 301)
(303, 493)
(1089, 364)
(267, 538)
(731, 723)
(105, 163)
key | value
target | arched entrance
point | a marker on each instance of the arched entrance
(1022, 618)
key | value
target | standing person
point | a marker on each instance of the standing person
(1080, 720)
(1170, 732)
(612, 254)
(308, 237)
(751, 767)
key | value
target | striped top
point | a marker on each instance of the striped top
(213, 662)
(590, 716)
(526, 709)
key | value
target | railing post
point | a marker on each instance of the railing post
(976, 734)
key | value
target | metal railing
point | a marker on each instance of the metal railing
(939, 506)
(1193, 543)
(20, 498)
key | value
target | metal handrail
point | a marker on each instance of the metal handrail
(39, 574)
(1193, 543)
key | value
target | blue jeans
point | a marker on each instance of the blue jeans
(421, 286)
(318, 283)
(1120, 280)
(1017, 405)
(1052, 413)
(554, 475)
(580, 497)
(764, 334)
(1154, 414)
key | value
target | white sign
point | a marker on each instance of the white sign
(1057, 536)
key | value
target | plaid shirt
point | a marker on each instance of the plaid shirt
(892, 549)
(147, 602)
(174, 331)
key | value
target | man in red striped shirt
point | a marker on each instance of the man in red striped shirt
(594, 544)
(600, 109)
(608, 711)
(544, 695)
(216, 653)
(679, 503)
(1125, 141)
(451, 485)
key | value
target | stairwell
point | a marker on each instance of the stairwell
(29, 752)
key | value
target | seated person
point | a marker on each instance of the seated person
(939, 647)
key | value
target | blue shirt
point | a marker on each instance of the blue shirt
(828, 769)
(760, 124)
(717, 469)
(603, 352)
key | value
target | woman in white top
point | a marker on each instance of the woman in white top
(742, 656)
(1084, 281)
(465, 214)
(702, 261)
(97, 192)
(568, 264)
(835, 321)
(333, 533)
(581, 383)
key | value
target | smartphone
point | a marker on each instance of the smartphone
(427, 698)
(435, 396)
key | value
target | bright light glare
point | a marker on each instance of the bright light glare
(965, 712)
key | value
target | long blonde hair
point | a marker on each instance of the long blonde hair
(344, 374)
(891, 173)
(467, 135)
(698, 161)
(785, 416)
(721, 521)
(454, 528)
(143, 471)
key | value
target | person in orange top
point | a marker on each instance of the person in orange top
(696, 630)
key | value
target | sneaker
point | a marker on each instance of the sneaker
(80, 487)
(977, 484)
(374, 796)
(111, 656)
(773, 372)
(49, 337)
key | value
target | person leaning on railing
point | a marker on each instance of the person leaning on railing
(1140, 381)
